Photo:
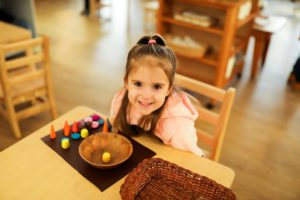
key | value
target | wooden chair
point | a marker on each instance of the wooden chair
(210, 125)
(25, 81)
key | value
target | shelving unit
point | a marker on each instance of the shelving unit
(227, 38)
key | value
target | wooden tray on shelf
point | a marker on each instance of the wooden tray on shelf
(196, 19)
(189, 52)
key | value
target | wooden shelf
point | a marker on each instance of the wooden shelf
(213, 30)
(210, 58)
(236, 71)
(246, 20)
(227, 38)
(195, 71)
(216, 4)
(239, 45)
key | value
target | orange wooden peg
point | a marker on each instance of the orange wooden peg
(52, 134)
(105, 126)
(66, 129)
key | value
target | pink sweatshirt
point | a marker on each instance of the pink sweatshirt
(175, 127)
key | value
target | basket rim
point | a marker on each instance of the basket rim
(140, 176)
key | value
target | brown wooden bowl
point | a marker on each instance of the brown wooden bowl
(92, 148)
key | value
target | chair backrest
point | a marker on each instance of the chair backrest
(211, 124)
(25, 77)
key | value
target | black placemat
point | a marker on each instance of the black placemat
(102, 178)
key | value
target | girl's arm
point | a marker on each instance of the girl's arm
(115, 105)
(180, 133)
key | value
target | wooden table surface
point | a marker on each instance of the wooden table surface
(30, 169)
(11, 33)
(273, 24)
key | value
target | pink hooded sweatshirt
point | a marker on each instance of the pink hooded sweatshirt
(176, 126)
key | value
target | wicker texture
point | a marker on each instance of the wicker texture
(156, 178)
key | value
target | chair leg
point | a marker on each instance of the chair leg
(53, 112)
(16, 128)
(12, 117)
(53, 107)
(13, 121)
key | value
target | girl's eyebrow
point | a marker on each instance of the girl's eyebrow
(136, 80)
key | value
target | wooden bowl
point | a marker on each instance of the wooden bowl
(92, 148)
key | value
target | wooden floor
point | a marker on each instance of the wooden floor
(262, 144)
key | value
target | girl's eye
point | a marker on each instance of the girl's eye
(157, 86)
(137, 83)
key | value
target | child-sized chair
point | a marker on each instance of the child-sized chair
(210, 125)
(25, 81)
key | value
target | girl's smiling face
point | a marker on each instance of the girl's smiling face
(147, 85)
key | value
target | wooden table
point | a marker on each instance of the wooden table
(262, 35)
(30, 169)
(11, 33)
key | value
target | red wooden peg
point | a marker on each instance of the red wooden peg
(75, 127)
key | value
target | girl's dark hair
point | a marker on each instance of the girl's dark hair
(154, 46)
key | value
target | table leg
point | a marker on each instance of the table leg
(266, 48)
(258, 51)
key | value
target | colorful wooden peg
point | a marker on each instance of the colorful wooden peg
(95, 124)
(67, 129)
(81, 125)
(105, 127)
(75, 127)
(52, 134)
(96, 117)
(84, 133)
(65, 143)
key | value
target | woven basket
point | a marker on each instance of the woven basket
(159, 179)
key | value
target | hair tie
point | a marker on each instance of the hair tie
(152, 41)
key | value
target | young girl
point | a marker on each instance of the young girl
(149, 103)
